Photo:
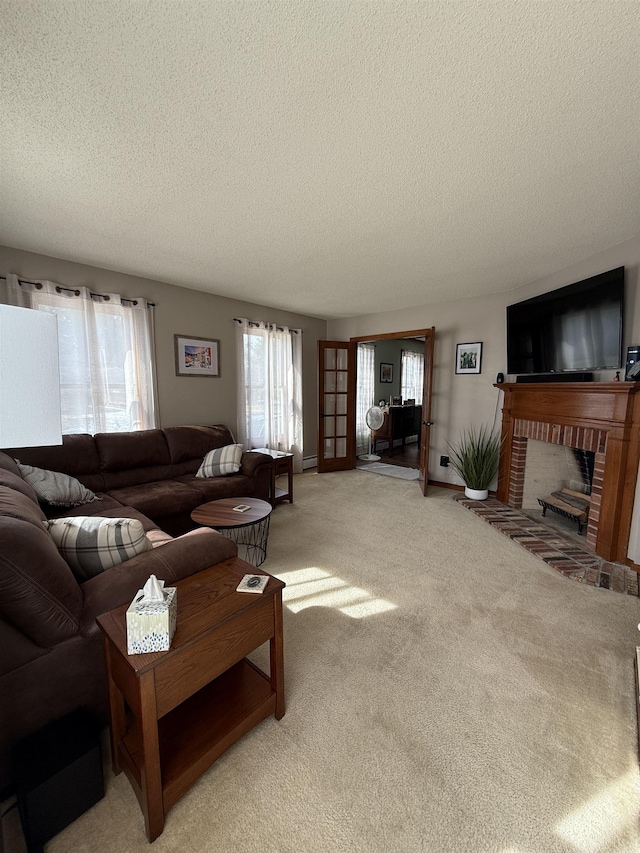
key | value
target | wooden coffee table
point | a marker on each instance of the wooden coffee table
(185, 707)
(249, 529)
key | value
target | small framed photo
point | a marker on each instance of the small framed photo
(386, 372)
(468, 358)
(196, 356)
(395, 401)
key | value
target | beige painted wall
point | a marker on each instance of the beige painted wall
(186, 399)
(459, 400)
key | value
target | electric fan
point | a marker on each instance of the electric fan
(374, 419)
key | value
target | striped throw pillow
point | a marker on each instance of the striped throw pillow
(91, 544)
(223, 460)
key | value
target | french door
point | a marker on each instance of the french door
(425, 427)
(336, 406)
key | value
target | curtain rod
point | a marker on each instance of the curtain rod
(59, 289)
(257, 326)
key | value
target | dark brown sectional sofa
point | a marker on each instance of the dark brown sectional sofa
(51, 659)
(152, 470)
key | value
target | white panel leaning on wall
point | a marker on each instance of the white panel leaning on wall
(634, 538)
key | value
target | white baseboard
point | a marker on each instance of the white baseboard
(309, 462)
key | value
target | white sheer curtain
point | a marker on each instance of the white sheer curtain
(412, 376)
(106, 353)
(269, 359)
(364, 395)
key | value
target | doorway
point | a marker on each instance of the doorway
(337, 379)
(393, 388)
(389, 374)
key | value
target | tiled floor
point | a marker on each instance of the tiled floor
(562, 553)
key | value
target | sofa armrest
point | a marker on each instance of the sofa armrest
(169, 562)
(252, 461)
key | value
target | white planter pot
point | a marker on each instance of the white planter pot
(476, 494)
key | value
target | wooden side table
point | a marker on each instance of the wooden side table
(185, 707)
(282, 464)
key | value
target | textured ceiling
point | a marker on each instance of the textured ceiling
(332, 158)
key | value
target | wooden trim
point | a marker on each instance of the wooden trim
(454, 487)
(425, 432)
(441, 484)
(391, 336)
(610, 407)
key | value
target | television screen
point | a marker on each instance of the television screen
(578, 327)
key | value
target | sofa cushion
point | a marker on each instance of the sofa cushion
(14, 504)
(213, 488)
(157, 500)
(129, 477)
(99, 507)
(56, 488)
(119, 451)
(15, 481)
(221, 461)
(187, 443)
(76, 455)
(91, 544)
(8, 463)
(38, 592)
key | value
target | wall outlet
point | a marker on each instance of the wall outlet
(444, 461)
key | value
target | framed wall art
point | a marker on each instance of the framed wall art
(196, 356)
(468, 358)
(386, 372)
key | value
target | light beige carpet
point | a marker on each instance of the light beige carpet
(446, 692)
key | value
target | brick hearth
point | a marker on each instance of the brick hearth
(569, 558)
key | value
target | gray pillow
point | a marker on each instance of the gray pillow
(56, 488)
(90, 544)
(221, 461)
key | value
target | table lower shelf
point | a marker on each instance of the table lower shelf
(201, 729)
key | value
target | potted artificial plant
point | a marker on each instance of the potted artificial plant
(475, 457)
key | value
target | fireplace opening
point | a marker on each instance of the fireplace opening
(557, 485)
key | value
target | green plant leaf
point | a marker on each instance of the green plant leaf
(476, 456)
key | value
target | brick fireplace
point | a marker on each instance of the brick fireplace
(603, 418)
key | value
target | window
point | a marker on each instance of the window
(412, 376)
(105, 346)
(270, 388)
(364, 395)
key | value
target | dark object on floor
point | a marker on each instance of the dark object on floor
(58, 772)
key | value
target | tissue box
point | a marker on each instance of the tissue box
(150, 627)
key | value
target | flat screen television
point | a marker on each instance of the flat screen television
(574, 328)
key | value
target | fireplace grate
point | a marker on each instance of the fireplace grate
(569, 504)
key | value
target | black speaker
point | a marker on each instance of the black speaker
(58, 775)
(555, 377)
(500, 378)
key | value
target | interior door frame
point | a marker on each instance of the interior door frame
(429, 341)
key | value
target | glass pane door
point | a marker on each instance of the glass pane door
(334, 440)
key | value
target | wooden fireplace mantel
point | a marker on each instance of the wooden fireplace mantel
(612, 411)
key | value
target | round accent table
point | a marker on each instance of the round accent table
(248, 529)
